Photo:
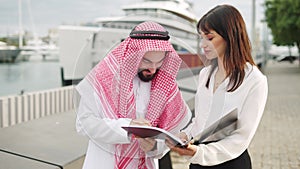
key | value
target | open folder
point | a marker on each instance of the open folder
(147, 131)
(153, 132)
(227, 121)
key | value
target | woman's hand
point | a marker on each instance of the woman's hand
(182, 136)
(190, 150)
(147, 144)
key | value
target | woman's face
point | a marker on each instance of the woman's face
(213, 44)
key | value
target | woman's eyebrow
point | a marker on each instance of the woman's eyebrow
(208, 33)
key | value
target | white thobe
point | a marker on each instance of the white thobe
(104, 133)
(249, 99)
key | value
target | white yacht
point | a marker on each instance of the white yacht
(81, 47)
(37, 47)
(8, 53)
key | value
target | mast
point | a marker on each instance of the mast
(20, 25)
(253, 31)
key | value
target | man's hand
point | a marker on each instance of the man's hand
(147, 144)
(139, 122)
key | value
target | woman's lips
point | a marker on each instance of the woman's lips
(207, 52)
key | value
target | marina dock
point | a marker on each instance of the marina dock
(49, 142)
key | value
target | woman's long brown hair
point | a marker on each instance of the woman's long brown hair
(228, 22)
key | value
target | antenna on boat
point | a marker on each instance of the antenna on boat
(20, 25)
(253, 29)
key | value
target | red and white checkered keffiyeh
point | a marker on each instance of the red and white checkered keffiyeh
(113, 77)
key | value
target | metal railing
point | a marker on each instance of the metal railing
(15, 109)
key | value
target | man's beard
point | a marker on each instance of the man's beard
(146, 78)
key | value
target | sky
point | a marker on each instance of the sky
(39, 16)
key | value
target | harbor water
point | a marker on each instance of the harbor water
(27, 76)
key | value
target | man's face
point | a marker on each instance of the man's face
(150, 64)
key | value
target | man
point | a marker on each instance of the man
(135, 84)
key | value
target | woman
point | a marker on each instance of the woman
(231, 81)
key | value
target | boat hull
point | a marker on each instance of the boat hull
(9, 55)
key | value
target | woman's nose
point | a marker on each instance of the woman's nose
(204, 43)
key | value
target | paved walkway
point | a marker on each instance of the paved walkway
(276, 144)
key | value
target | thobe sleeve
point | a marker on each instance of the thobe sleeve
(91, 122)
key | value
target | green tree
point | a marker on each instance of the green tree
(283, 18)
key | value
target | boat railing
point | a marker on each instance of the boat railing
(16, 109)
(158, 14)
